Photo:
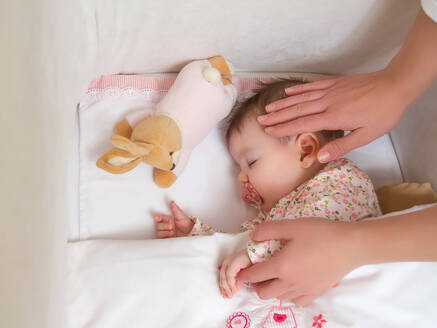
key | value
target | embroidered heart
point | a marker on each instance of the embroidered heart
(279, 317)
(237, 321)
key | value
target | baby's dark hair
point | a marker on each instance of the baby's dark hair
(255, 106)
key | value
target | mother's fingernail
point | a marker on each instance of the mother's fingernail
(270, 107)
(261, 118)
(323, 156)
(268, 130)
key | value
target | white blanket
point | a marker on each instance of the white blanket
(173, 283)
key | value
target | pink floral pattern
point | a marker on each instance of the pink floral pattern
(201, 229)
(339, 192)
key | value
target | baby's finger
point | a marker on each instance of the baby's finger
(224, 283)
(164, 226)
(162, 218)
(231, 273)
(177, 212)
(165, 234)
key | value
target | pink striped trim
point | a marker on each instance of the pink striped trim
(162, 83)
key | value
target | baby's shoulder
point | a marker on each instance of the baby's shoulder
(342, 168)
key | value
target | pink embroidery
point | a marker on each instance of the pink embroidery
(319, 321)
(280, 316)
(238, 320)
(335, 285)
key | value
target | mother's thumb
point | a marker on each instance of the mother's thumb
(274, 230)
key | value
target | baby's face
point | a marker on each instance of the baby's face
(271, 166)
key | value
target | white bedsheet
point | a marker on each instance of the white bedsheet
(121, 206)
(173, 283)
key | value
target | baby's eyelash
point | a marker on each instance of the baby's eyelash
(251, 163)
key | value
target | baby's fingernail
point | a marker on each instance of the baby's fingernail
(323, 157)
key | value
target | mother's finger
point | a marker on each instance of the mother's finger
(259, 272)
(293, 100)
(304, 299)
(316, 85)
(291, 113)
(311, 123)
(339, 147)
(269, 289)
(290, 295)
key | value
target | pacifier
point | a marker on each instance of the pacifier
(251, 196)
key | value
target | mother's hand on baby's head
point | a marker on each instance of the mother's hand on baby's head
(317, 255)
(369, 105)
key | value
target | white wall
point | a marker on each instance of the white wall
(39, 87)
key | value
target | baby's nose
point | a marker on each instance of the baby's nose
(242, 177)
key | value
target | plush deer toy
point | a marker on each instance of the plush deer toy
(164, 137)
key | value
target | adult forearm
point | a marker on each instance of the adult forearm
(407, 237)
(415, 66)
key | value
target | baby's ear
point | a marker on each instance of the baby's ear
(307, 145)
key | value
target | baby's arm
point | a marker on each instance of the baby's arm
(180, 225)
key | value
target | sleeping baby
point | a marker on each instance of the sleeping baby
(283, 179)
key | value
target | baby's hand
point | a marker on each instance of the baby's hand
(178, 225)
(229, 285)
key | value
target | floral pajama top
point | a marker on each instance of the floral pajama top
(340, 192)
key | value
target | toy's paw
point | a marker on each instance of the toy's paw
(117, 161)
(164, 179)
(212, 75)
(225, 68)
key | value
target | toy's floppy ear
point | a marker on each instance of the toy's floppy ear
(135, 148)
(117, 161)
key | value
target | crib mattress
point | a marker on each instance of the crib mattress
(121, 206)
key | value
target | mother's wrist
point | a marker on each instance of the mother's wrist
(359, 244)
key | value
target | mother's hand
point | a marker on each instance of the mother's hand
(369, 105)
(318, 254)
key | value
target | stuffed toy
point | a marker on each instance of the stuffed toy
(164, 136)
